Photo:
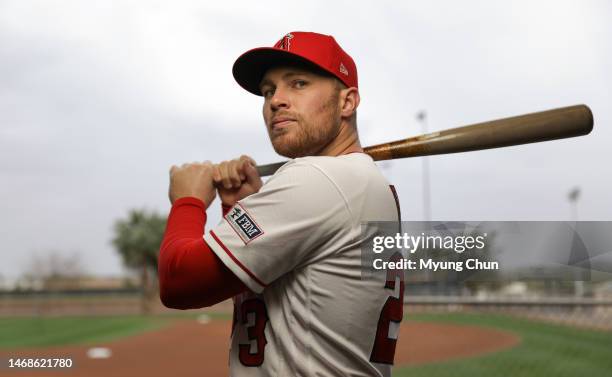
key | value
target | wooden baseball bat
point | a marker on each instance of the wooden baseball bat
(547, 125)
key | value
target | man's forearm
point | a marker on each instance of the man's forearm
(190, 274)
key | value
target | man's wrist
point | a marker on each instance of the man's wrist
(189, 200)
(225, 208)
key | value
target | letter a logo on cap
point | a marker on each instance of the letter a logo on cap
(285, 43)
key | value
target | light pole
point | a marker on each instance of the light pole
(422, 118)
(573, 197)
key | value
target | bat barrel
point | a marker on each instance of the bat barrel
(523, 129)
(530, 128)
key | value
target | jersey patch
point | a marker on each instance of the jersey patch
(243, 224)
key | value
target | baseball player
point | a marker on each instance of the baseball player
(288, 251)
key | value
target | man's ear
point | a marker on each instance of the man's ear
(349, 100)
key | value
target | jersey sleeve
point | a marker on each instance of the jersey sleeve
(292, 221)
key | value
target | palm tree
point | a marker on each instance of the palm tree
(137, 239)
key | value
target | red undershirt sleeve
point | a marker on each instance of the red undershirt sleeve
(190, 274)
(225, 209)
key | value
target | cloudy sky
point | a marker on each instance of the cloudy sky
(99, 98)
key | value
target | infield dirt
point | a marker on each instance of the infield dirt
(187, 348)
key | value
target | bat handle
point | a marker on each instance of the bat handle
(269, 169)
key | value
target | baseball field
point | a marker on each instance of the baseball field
(452, 345)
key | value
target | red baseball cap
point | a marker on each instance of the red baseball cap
(299, 47)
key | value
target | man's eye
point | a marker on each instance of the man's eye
(267, 92)
(299, 83)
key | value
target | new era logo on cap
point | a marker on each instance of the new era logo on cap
(343, 69)
(296, 47)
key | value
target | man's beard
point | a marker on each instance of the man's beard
(308, 139)
(304, 139)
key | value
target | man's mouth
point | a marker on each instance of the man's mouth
(280, 124)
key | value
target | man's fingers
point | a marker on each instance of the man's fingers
(244, 157)
(252, 176)
(240, 165)
(216, 173)
(225, 180)
(248, 164)
(236, 174)
(231, 174)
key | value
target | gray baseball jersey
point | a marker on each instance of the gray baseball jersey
(296, 245)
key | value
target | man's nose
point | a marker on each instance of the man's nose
(279, 100)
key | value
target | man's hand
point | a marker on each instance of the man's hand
(193, 179)
(236, 179)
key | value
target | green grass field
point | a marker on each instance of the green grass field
(545, 350)
(40, 332)
(23, 332)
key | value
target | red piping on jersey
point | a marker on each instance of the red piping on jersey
(397, 203)
(244, 268)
